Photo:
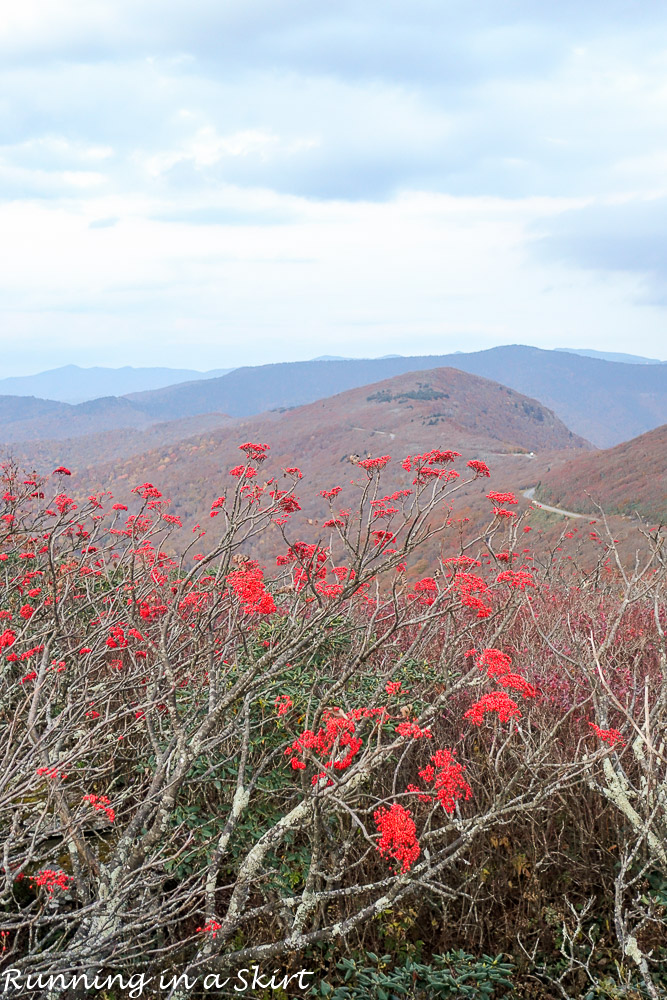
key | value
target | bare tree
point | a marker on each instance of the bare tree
(204, 767)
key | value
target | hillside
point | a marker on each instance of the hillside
(630, 478)
(434, 404)
(25, 418)
(602, 401)
(409, 414)
(410, 409)
(75, 433)
(115, 445)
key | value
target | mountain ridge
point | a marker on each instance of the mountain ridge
(599, 400)
(604, 402)
(615, 356)
(408, 414)
(74, 384)
(524, 422)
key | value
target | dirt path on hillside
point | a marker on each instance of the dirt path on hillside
(388, 434)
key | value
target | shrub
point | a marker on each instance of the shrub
(206, 764)
(451, 977)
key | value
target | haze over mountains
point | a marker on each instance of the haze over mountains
(74, 384)
(25, 418)
(112, 445)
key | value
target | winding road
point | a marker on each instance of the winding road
(529, 494)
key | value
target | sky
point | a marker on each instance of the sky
(212, 183)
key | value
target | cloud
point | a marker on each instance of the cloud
(627, 236)
(107, 223)
(259, 175)
(226, 216)
(319, 100)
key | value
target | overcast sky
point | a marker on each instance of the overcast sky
(210, 183)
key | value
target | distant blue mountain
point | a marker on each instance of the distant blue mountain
(626, 359)
(72, 384)
(339, 357)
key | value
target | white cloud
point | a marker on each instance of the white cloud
(425, 273)
(83, 178)
(282, 180)
(206, 148)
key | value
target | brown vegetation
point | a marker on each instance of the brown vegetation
(198, 758)
(630, 479)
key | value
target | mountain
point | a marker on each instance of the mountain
(476, 411)
(630, 478)
(339, 357)
(408, 414)
(630, 359)
(602, 401)
(72, 384)
(520, 440)
(111, 445)
(25, 418)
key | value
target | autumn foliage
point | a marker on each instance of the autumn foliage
(209, 761)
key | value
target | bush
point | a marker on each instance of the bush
(206, 766)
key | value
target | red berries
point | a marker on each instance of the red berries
(147, 491)
(101, 803)
(283, 703)
(374, 463)
(248, 585)
(446, 775)
(7, 638)
(50, 880)
(254, 452)
(211, 927)
(398, 835)
(501, 497)
(498, 702)
(611, 736)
